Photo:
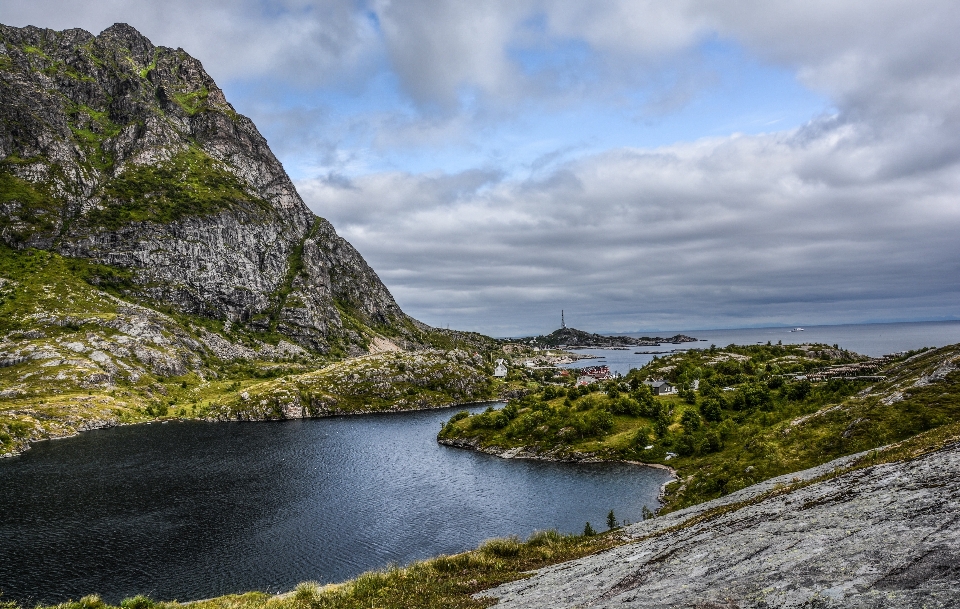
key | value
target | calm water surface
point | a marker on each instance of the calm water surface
(192, 510)
(869, 339)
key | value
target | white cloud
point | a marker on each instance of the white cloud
(800, 225)
(851, 217)
(303, 42)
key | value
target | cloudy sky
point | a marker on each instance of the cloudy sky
(642, 165)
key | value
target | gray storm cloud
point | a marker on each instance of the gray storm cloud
(804, 226)
(851, 217)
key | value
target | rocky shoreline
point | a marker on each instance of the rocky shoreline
(525, 452)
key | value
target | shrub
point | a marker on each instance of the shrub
(595, 423)
(625, 406)
(545, 538)
(686, 445)
(642, 396)
(751, 397)
(138, 602)
(712, 409)
(190, 184)
(691, 420)
(712, 442)
(799, 391)
(661, 418)
(505, 547)
(641, 437)
(307, 595)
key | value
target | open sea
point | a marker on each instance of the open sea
(868, 339)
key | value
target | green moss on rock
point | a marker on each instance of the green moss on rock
(190, 184)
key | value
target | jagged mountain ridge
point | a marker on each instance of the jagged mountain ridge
(128, 155)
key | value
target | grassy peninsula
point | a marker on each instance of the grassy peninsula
(758, 412)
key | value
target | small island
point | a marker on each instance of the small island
(571, 338)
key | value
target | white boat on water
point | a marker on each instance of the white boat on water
(797, 330)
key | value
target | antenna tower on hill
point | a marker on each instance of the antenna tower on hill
(563, 324)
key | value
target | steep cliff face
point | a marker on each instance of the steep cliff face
(128, 155)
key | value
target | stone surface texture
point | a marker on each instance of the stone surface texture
(882, 536)
(78, 112)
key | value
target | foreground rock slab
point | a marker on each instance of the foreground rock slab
(883, 536)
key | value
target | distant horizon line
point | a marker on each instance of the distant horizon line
(666, 333)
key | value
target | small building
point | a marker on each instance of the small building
(501, 370)
(600, 373)
(660, 387)
(585, 380)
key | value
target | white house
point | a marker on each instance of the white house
(501, 370)
(585, 380)
(660, 387)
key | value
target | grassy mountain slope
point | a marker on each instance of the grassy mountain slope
(74, 355)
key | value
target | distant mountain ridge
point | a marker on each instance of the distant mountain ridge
(128, 155)
(570, 337)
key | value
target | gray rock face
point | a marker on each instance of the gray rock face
(884, 536)
(128, 154)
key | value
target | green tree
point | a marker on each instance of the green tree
(712, 409)
(611, 521)
(691, 420)
(588, 530)
(752, 396)
(661, 418)
(686, 444)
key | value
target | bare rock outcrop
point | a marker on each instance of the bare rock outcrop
(882, 536)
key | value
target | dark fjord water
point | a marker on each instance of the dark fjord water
(868, 339)
(192, 510)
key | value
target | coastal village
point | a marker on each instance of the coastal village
(556, 365)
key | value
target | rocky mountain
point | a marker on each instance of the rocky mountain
(156, 260)
(128, 155)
